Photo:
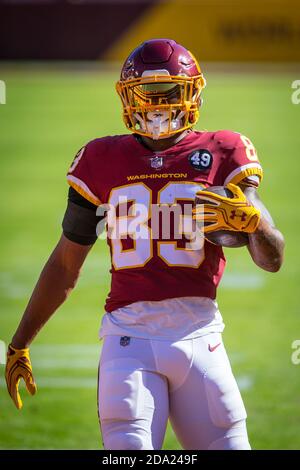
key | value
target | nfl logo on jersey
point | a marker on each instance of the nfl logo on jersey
(156, 162)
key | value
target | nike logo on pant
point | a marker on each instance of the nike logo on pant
(212, 348)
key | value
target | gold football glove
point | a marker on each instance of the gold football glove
(18, 366)
(225, 213)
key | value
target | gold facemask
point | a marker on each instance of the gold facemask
(175, 99)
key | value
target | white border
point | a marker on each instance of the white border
(83, 186)
(240, 169)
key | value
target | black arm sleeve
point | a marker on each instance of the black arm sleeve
(80, 219)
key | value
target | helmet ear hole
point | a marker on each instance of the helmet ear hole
(127, 121)
(193, 117)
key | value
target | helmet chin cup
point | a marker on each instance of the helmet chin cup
(158, 125)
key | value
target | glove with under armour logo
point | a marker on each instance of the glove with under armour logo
(18, 366)
(226, 213)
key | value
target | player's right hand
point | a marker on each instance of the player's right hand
(18, 366)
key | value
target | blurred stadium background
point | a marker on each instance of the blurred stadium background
(59, 61)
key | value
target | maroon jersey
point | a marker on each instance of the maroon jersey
(122, 172)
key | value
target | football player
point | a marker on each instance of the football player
(163, 355)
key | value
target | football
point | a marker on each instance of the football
(226, 238)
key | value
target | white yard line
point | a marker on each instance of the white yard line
(14, 288)
(236, 357)
(66, 349)
(242, 281)
(66, 356)
(55, 357)
(78, 356)
(2, 352)
(75, 363)
(62, 382)
(245, 382)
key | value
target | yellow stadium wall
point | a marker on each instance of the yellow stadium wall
(220, 30)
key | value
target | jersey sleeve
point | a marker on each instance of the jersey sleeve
(80, 174)
(241, 163)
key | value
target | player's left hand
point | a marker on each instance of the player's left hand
(18, 366)
(225, 213)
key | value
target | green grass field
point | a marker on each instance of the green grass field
(50, 113)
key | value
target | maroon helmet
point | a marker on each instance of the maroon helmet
(160, 87)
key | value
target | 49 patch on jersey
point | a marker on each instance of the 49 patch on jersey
(201, 159)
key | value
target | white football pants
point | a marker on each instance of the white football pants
(145, 382)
